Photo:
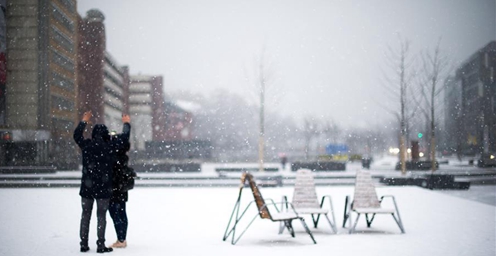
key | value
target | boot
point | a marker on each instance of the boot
(104, 249)
(84, 246)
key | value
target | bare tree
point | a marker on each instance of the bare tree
(397, 85)
(311, 129)
(223, 118)
(263, 79)
(331, 130)
(367, 141)
(435, 69)
(229, 122)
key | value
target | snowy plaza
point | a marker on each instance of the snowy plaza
(188, 104)
(192, 221)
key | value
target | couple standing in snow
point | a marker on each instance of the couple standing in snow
(104, 161)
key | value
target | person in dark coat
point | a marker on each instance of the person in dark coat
(119, 197)
(99, 154)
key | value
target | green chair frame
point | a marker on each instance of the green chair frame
(263, 212)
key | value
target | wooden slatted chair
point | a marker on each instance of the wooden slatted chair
(366, 202)
(264, 212)
(305, 199)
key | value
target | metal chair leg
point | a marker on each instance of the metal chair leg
(399, 223)
(398, 219)
(367, 219)
(354, 225)
(315, 220)
(289, 226)
(307, 229)
(346, 213)
(281, 227)
(234, 241)
(333, 225)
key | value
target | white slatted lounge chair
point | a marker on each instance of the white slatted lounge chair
(264, 212)
(366, 202)
(305, 199)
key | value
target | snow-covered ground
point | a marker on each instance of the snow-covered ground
(192, 221)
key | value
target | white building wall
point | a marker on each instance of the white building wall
(141, 131)
(113, 83)
(113, 119)
(140, 100)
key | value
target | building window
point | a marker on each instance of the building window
(113, 101)
(62, 40)
(112, 79)
(61, 17)
(61, 81)
(63, 61)
(69, 4)
(113, 93)
(62, 103)
(62, 125)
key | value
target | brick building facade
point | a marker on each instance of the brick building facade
(40, 91)
(103, 84)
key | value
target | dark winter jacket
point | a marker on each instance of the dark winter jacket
(99, 154)
(119, 166)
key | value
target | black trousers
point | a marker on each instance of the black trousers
(118, 213)
(102, 206)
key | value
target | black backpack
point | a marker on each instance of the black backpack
(127, 178)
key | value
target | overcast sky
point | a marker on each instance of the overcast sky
(325, 56)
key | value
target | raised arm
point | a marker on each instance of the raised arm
(126, 129)
(78, 133)
(122, 140)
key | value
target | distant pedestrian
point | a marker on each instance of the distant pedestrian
(96, 181)
(123, 180)
(284, 160)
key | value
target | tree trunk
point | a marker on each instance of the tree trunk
(433, 152)
(261, 140)
(402, 154)
(433, 143)
(261, 153)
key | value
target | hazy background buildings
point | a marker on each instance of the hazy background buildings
(188, 76)
(327, 58)
(57, 67)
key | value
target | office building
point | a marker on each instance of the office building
(478, 101)
(38, 108)
(146, 106)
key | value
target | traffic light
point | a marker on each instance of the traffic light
(420, 135)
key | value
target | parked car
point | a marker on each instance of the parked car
(487, 160)
(417, 165)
